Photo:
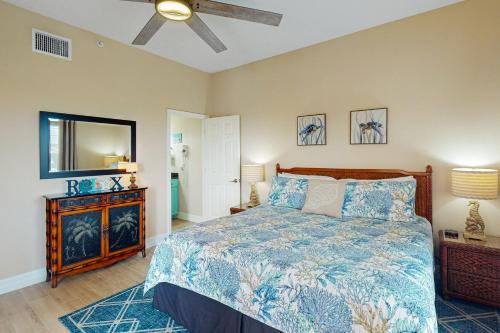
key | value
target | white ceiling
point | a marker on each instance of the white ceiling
(305, 22)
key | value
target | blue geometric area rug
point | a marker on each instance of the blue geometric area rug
(126, 311)
(129, 311)
(457, 316)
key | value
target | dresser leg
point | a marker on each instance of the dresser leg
(144, 252)
(47, 279)
(54, 280)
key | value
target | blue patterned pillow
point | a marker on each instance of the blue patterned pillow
(288, 192)
(385, 200)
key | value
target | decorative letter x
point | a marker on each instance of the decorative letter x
(116, 184)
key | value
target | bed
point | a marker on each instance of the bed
(274, 269)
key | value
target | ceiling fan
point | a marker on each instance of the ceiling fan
(185, 10)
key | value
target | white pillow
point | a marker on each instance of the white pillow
(325, 197)
(295, 176)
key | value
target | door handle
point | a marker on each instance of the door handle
(235, 180)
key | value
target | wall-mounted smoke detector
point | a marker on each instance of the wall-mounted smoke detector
(52, 45)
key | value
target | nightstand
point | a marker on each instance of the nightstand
(470, 269)
(239, 209)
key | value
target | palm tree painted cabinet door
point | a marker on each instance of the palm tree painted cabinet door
(124, 229)
(81, 237)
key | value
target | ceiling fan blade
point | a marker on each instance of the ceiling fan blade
(205, 33)
(153, 25)
(237, 12)
(144, 1)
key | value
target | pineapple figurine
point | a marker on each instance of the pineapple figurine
(474, 224)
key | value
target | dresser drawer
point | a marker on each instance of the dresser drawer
(477, 263)
(474, 286)
(81, 202)
(127, 196)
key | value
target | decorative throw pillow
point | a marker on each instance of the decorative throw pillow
(386, 200)
(325, 197)
(288, 192)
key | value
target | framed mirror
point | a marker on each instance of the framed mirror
(79, 146)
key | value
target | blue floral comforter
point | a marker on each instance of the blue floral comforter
(301, 272)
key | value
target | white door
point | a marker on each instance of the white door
(221, 165)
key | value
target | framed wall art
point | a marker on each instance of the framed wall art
(311, 130)
(369, 126)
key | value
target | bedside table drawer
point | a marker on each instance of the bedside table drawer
(474, 286)
(478, 263)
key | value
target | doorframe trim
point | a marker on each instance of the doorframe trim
(188, 114)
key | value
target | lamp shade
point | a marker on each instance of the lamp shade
(252, 173)
(132, 167)
(122, 165)
(481, 184)
(128, 166)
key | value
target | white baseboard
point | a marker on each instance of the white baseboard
(191, 217)
(155, 240)
(22, 280)
(37, 276)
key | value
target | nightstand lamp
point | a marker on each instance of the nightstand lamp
(252, 174)
(475, 184)
(132, 168)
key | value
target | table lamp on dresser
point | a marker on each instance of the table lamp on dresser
(474, 184)
(132, 168)
(252, 174)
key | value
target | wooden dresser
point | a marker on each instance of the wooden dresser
(89, 231)
(471, 269)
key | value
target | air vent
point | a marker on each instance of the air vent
(49, 44)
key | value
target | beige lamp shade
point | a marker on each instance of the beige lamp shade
(122, 165)
(480, 184)
(132, 167)
(252, 173)
(128, 166)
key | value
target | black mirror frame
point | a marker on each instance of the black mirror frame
(45, 139)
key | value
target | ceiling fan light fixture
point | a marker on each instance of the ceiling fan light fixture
(177, 10)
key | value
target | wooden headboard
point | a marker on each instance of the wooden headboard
(423, 203)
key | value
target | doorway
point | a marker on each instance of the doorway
(184, 161)
(203, 167)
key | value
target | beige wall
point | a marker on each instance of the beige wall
(116, 81)
(190, 177)
(438, 73)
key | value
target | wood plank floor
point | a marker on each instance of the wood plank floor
(36, 308)
(178, 223)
